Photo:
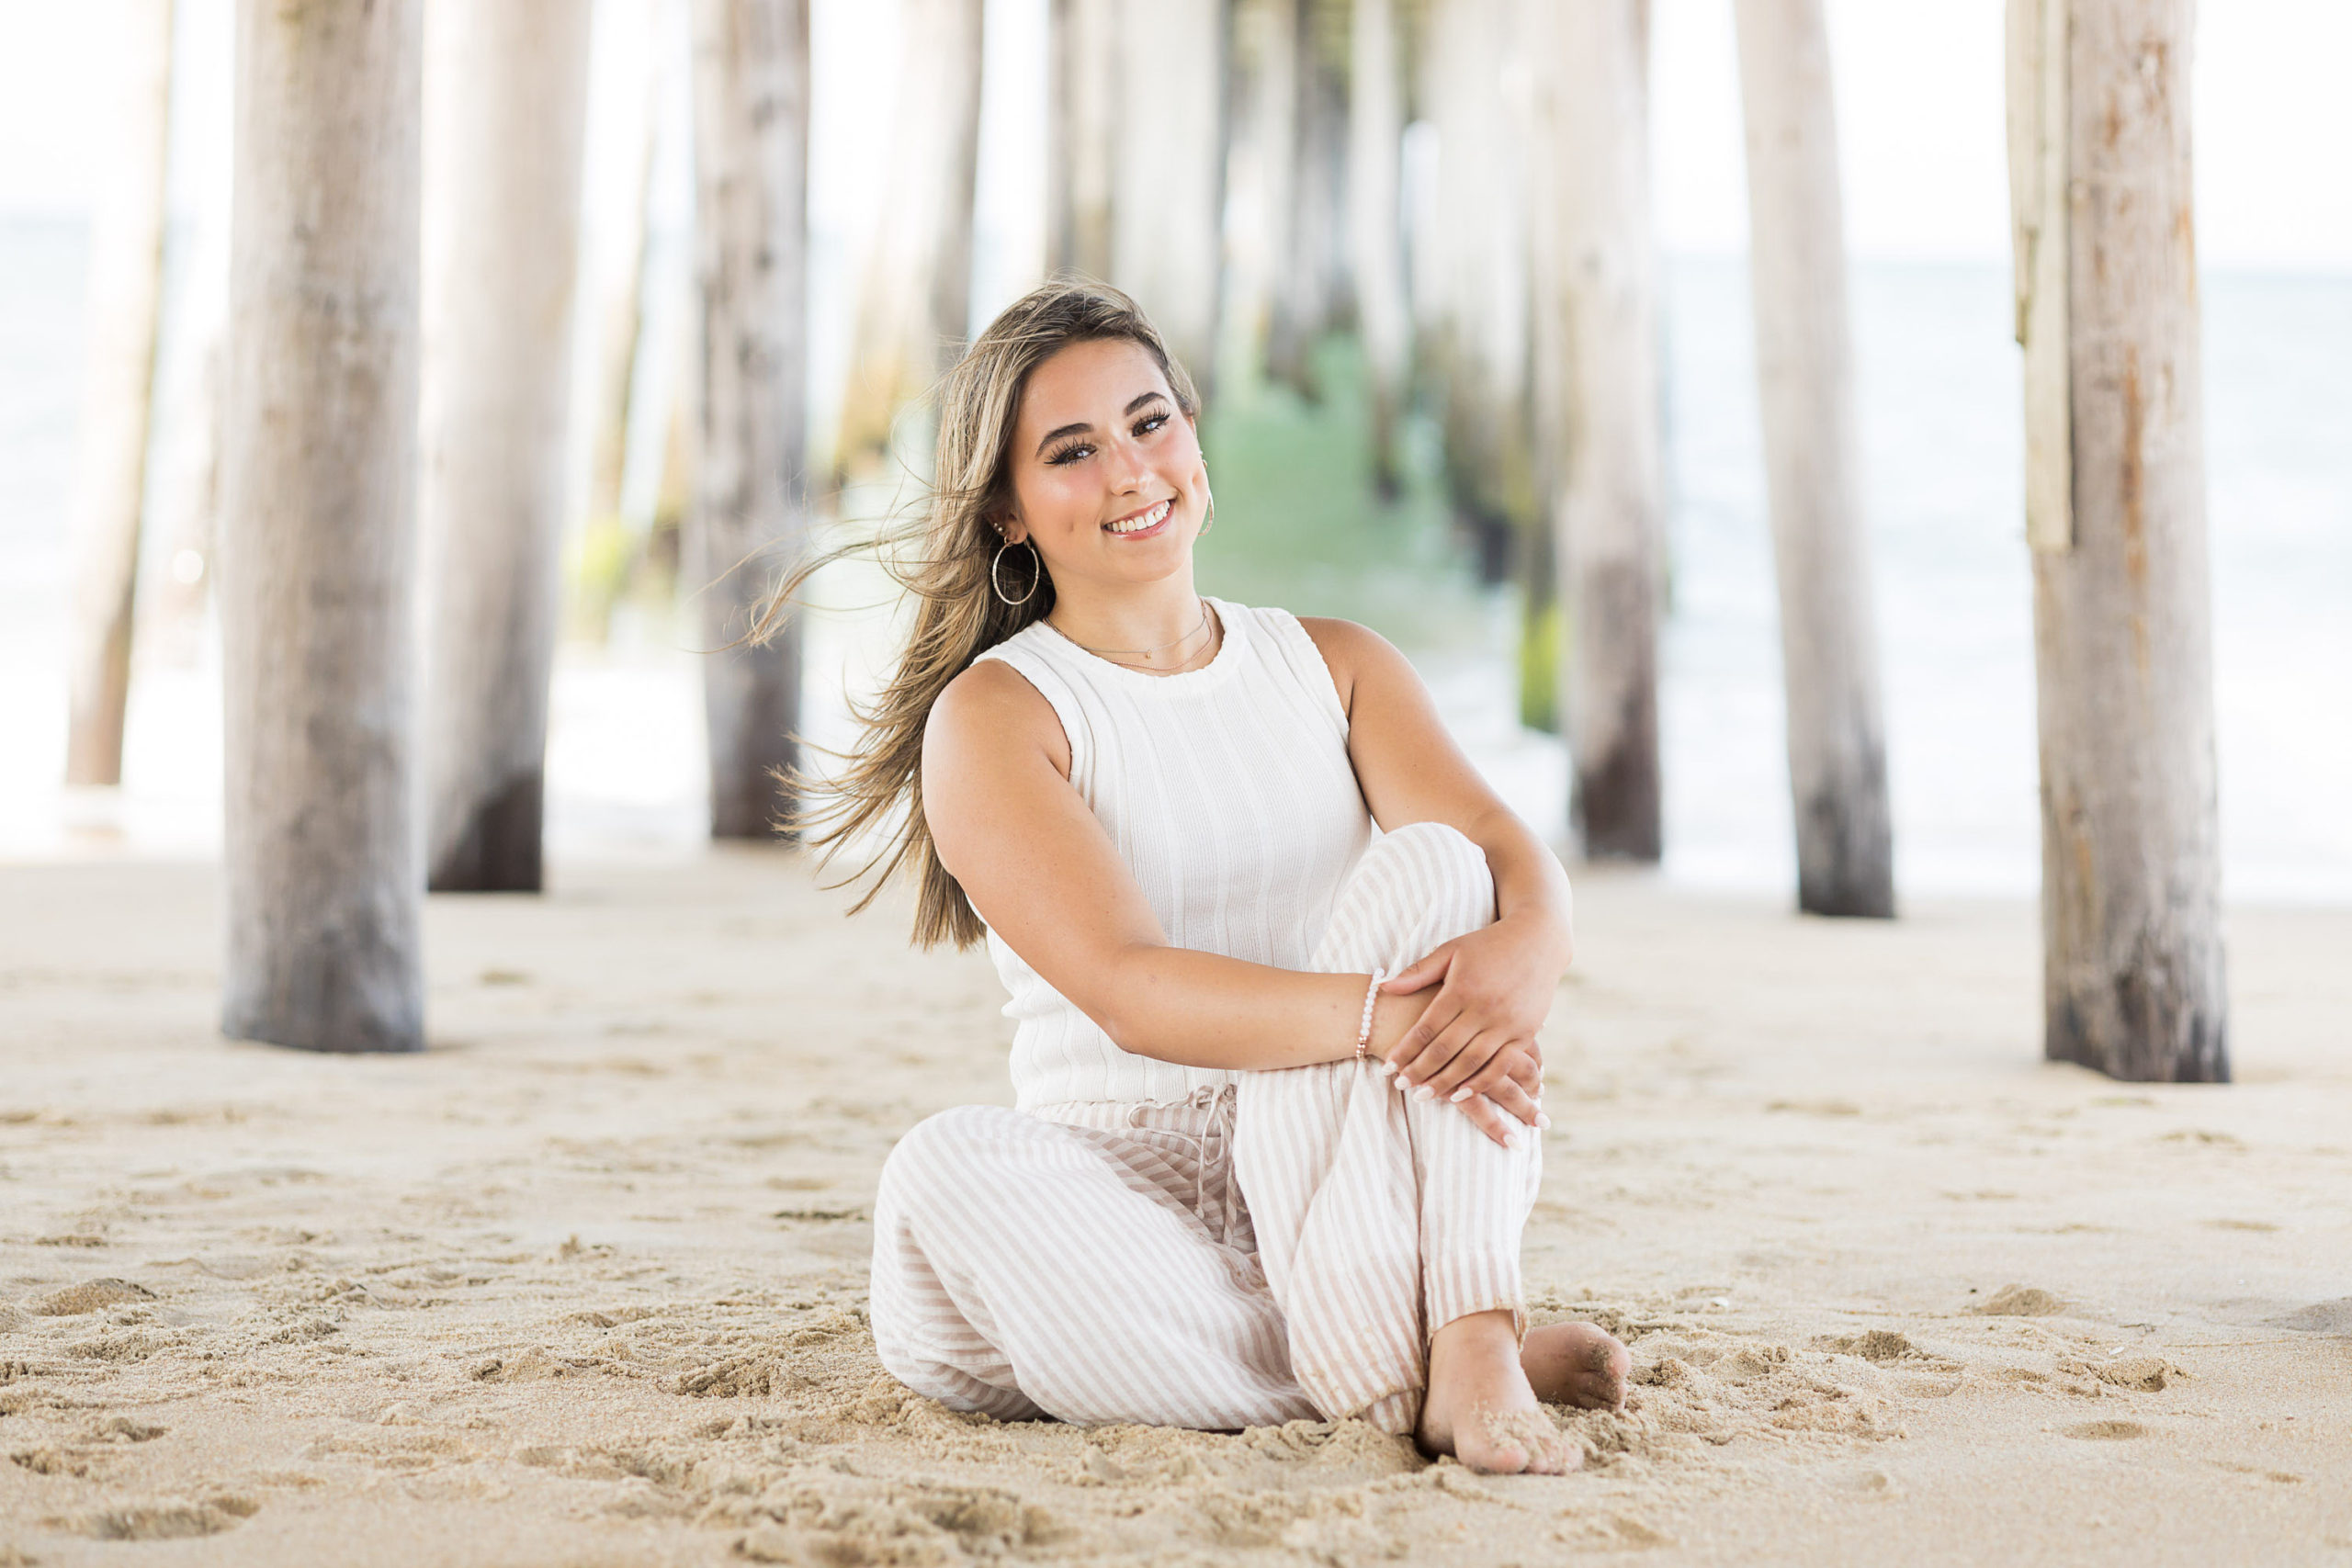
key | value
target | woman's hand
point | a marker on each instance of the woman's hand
(1504, 1096)
(1496, 987)
(1515, 1098)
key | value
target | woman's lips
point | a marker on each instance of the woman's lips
(1144, 524)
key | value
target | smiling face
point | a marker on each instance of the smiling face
(1106, 471)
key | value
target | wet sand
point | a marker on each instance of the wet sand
(585, 1283)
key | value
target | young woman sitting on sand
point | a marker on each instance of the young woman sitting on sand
(1279, 1089)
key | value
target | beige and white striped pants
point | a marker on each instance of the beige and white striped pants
(1280, 1249)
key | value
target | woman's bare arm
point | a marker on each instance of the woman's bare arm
(1038, 866)
(1498, 983)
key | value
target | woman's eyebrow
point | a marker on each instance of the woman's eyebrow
(1082, 427)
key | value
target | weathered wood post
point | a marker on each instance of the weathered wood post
(2115, 496)
(1081, 128)
(318, 496)
(126, 273)
(914, 298)
(1608, 500)
(1297, 125)
(506, 109)
(1169, 251)
(1270, 42)
(750, 516)
(1804, 364)
(1472, 288)
(1375, 140)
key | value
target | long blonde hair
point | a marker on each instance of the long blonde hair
(941, 553)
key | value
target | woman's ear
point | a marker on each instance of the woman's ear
(1010, 527)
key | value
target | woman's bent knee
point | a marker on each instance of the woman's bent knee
(1422, 885)
(1439, 857)
(1443, 838)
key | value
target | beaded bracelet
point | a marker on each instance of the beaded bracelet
(1371, 995)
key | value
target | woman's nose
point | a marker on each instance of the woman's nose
(1127, 466)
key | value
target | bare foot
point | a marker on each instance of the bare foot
(1480, 1408)
(1576, 1363)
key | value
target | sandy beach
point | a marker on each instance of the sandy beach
(585, 1283)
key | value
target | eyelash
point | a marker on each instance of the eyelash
(1070, 454)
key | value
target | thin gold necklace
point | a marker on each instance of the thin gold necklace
(1112, 653)
(1181, 667)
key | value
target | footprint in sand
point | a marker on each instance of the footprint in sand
(2105, 1431)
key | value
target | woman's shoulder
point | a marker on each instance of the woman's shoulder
(995, 703)
(1332, 635)
(989, 690)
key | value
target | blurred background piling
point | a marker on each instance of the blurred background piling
(1648, 370)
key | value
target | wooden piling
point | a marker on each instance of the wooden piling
(318, 484)
(124, 313)
(1598, 326)
(1805, 362)
(750, 514)
(2133, 982)
(507, 91)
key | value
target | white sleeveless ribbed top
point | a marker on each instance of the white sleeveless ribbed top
(1229, 793)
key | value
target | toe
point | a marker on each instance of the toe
(1519, 1442)
(1558, 1459)
(1607, 1366)
(1499, 1455)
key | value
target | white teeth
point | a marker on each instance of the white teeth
(1137, 525)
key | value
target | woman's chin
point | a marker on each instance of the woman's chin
(1151, 560)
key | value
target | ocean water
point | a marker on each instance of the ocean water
(1942, 452)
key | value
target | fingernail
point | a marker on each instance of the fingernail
(1461, 1094)
(1542, 1123)
(1383, 1069)
(1425, 1092)
(1403, 1083)
(1510, 1140)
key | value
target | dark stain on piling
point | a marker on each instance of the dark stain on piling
(2134, 497)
